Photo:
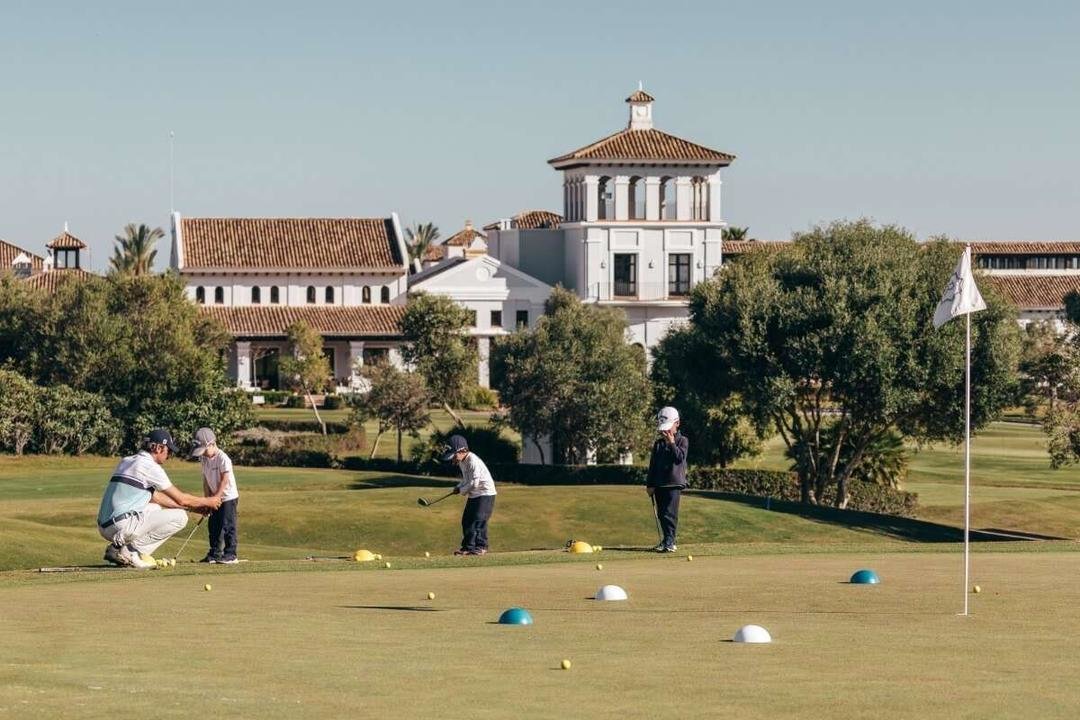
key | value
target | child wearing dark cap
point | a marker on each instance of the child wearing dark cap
(478, 487)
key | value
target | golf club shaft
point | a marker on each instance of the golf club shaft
(440, 499)
(656, 517)
(190, 534)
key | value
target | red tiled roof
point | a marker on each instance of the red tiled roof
(1005, 247)
(1034, 291)
(65, 241)
(294, 243)
(736, 247)
(434, 253)
(274, 320)
(530, 220)
(50, 281)
(464, 237)
(9, 252)
(640, 96)
(650, 145)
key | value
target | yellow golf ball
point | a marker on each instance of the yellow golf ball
(689, 558)
(172, 562)
(597, 548)
(431, 596)
(599, 566)
(427, 554)
(387, 564)
(565, 664)
(208, 587)
(976, 589)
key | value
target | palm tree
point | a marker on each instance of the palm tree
(134, 251)
(735, 234)
(420, 239)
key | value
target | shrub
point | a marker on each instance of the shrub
(280, 456)
(294, 401)
(274, 397)
(19, 410)
(333, 402)
(75, 422)
(490, 444)
(303, 426)
(479, 398)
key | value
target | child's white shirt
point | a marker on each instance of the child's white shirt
(476, 480)
(213, 468)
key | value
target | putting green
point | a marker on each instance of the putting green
(368, 643)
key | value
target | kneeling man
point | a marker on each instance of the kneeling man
(141, 508)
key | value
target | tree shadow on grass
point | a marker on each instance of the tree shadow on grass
(379, 482)
(888, 525)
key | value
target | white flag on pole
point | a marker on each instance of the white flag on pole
(961, 294)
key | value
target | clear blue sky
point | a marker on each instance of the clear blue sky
(946, 117)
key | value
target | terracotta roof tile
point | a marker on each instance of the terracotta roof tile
(65, 241)
(1034, 291)
(464, 237)
(9, 252)
(649, 145)
(640, 96)
(274, 320)
(434, 253)
(737, 247)
(1006, 247)
(50, 281)
(530, 220)
(276, 243)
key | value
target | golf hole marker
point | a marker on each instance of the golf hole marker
(611, 593)
(865, 577)
(752, 634)
(515, 616)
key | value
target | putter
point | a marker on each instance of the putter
(656, 517)
(177, 556)
(423, 502)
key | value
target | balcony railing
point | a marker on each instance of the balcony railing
(642, 292)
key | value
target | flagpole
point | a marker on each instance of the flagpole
(967, 455)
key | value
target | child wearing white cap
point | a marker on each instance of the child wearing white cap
(667, 475)
(219, 481)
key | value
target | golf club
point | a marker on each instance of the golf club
(656, 517)
(177, 556)
(423, 502)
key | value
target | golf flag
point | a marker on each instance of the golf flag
(961, 295)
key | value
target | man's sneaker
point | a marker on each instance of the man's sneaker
(112, 555)
(133, 558)
(228, 560)
(462, 551)
(658, 547)
(210, 559)
(481, 551)
(669, 548)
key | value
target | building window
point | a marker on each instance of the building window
(668, 198)
(275, 295)
(521, 319)
(219, 296)
(66, 258)
(200, 295)
(625, 275)
(679, 274)
(496, 318)
(365, 295)
(699, 203)
(329, 295)
(605, 199)
(256, 295)
(384, 295)
(311, 294)
(637, 198)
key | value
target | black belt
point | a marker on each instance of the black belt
(118, 518)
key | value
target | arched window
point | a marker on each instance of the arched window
(256, 295)
(605, 199)
(200, 295)
(219, 295)
(275, 295)
(636, 196)
(699, 203)
(579, 201)
(311, 294)
(384, 295)
(668, 199)
(365, 295)
(329, 295)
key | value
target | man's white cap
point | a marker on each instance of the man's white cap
(666, 419)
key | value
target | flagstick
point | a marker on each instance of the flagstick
(967, 460)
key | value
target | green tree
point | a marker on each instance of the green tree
(134, 251)
(574, 378)
(419, 238)
(20, 407)
(718, 426)
(306, 369)
(137, 342)
(1052, 376)
(396, 399)
(438, 346)
(831, 344)
(734, 234)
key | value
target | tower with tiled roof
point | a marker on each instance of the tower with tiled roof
(66, 250)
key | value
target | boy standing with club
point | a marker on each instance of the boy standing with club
(478, 487)
(667, 476)
(218, 482)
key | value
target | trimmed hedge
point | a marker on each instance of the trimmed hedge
(263, 456)
(308, 426)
